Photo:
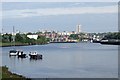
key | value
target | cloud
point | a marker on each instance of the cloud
(60, 0)
(58, 11)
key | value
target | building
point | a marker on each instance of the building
(78, 29)
(32, 36)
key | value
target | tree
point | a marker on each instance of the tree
(41, 40)
(74, 36)
(10, 37)
(19, 38)
(6, 38)
(115, 35)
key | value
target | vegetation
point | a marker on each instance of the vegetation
(74, 36)
(42, 40)
(21, 39)
(7, 75)
(105, 36)
(79, 36)
(115, 35)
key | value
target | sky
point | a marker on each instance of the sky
(60, 0)
(60, 16)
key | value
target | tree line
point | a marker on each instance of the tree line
(115, 35)
(22, 38)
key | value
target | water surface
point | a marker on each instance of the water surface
(66, 60)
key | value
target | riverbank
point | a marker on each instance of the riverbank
(7, 75)
(17, 44)
(9, 44)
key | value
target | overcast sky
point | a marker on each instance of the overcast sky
(60, 16)
(60, 0)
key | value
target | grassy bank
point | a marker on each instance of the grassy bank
(17, 44)
(11, 44)
(7, 75)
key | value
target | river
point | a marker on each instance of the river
(65, 60)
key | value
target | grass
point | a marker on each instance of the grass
(7, 75)
(12, 44)
(7, 44)
(4, 44)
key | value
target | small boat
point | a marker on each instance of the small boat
(13, 53)
(21, 54)
(35, 55)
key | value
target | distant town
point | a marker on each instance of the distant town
(46, 36)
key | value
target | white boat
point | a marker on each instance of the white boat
(35, 55)
(13, 53)
(21, 54)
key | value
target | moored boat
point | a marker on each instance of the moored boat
(21, 54)
(35, 55)
(13, 53)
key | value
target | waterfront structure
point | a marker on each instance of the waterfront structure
(32, 36)
(55, 36)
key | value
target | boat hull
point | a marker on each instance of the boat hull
(13, 53)
(22, 56)
(38, 56)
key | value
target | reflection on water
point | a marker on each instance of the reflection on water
(66, 60)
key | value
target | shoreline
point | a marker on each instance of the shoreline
(26, 44)
(6, 74)
(12, 45)
(17, 44)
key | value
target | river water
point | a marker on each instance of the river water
(65, 60)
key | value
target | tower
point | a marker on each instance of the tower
(78, 29)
